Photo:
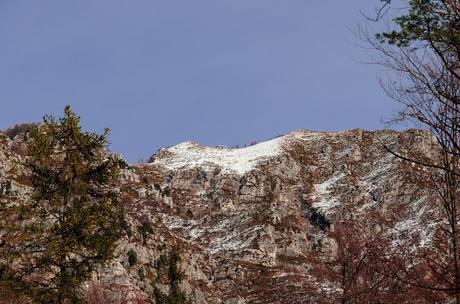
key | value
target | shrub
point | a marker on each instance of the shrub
(132, 257)
(141, 273)
(5, 188)
(145, 229)
(168, 265)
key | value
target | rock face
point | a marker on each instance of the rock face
(246, 221)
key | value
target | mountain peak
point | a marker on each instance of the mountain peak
(237, 160)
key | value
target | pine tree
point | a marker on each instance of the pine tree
(72, 221)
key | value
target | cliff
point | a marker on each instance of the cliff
(250, 223)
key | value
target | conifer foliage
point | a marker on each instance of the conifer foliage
(52, 243)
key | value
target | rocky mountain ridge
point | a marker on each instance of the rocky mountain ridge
(248, 222)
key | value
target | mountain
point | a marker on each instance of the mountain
(249, 225)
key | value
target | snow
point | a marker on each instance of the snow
(192, 226)
(323, 199)
(234, 241)
(414, 224)
(284, 274)
(240, 161)
(227, 239)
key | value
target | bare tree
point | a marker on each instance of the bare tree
(422, 58)
(360, 269)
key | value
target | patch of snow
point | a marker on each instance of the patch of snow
(323, 200)
(175, 222)
(308, 135)
(222, 226)
(381, 170)
(284, 274)
(413, 224)
(234, 241)
(240, 161)
(192, 226)
(195, 233)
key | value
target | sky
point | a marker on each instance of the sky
(160, 72)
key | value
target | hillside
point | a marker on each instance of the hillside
(250, 224)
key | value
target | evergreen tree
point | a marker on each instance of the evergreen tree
(168, 269)
(434, 24)
(52, 243)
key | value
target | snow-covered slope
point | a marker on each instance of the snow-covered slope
(191, 155)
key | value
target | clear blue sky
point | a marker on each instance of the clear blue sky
(158, 72)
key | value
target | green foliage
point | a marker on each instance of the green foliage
(434, 22)
(166, 192)
(162, 262)
(132, 257)
(163, 192)
(72, 223)
(7, 187)
(168, 266)
(141, 273)
(145, 230)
